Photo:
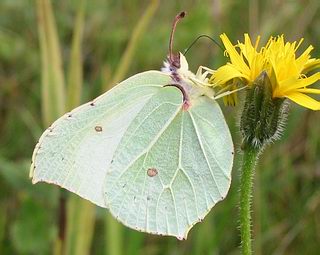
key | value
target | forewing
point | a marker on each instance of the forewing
(171, 166)
(75, 151)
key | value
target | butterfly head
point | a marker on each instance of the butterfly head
(177, 69)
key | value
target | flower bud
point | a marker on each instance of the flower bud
(263, 116)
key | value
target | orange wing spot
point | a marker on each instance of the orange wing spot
(151, 172)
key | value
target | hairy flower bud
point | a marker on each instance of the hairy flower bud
(263, 116)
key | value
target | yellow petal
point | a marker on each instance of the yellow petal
(311, 65)
(247, 49)
(235, 58)
(304, 100)
(290, 85)
(230, 100)
(226, 73)
(310, 91)
(303, 59)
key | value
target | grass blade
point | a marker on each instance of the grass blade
(80, 225)
(114, 235)
(127, 57)
(80, 213)
(53, 88)
(52, 78)
(75, 79)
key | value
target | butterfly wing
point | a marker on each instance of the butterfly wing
(76, 150)
(158, 167)
(171, 166)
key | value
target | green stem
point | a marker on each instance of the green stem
(248, 164)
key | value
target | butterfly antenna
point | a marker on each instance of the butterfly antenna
(203, 36)
(175, 22)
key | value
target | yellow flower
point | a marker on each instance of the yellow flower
(288, 73)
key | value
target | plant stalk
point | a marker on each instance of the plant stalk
(52, 87)
(114, 235)
(250, 156)
(138, 32)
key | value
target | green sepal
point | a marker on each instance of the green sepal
(262, 116)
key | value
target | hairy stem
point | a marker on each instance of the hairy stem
(250, 156)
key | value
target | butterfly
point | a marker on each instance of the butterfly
(155, 150)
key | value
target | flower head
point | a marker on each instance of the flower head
(287, 72)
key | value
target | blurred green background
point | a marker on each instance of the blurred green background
(56, 55)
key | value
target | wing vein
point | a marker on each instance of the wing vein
(211, 152)
(181, 167)
(152, 143)
(175, 209)
(193, 190)
(127, 191)
(204, 153)
(143, 189)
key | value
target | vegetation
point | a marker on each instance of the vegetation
(55, 55)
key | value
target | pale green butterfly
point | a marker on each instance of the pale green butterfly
(155, 150)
